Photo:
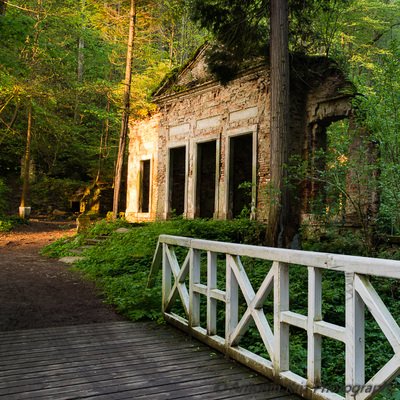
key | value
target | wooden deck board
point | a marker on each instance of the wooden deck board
(121, 360)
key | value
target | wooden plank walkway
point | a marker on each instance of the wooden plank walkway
(122, 360)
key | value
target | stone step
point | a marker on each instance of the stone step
(94, 241)
(71, 259)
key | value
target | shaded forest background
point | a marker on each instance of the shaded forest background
(65, 60)
(62, 62)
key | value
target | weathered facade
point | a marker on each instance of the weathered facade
(205, 153)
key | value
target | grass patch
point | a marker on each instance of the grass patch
(120, 265)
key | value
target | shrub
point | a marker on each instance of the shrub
(3, 197)
(53, 192)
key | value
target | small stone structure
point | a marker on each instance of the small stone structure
(205, 152)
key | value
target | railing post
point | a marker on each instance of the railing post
(281, 330)
(355, 344)
(194, 297)
(211, 284)
(166, 277)
(232, 302)
(314, 340)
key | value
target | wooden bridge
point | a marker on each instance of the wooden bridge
(126, 360)
(121, 360)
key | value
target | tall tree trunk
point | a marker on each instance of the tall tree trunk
(278, 214)
(27, 161)
(171, 47)
(81, 63)
(126, 110)
(103, 150)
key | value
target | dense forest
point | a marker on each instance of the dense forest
(62, 71)
(62, 65)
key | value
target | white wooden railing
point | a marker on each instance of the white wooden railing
(359, 293)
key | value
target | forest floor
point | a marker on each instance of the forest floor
(37, 292)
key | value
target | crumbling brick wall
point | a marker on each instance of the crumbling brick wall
(195, 108)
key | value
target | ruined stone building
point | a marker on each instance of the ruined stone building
(205, 152)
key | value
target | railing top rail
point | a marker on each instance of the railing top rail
(336, 262)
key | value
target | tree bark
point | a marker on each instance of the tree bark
(126, 110)
(278, 213)
(81, 62)
(27, 161)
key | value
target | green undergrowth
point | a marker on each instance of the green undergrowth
(7, 223)
(120, 265)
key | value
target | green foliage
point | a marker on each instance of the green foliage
(240, 29)
(62, 247)
(343, 182)
(3, 197)
(53, 192)
(121, 264)
(76, 119)
(381, 109)
(335, 239)
(6, 223)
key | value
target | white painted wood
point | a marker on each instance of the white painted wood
(218, 295)
(194, 278)
(355, 343)
(155, 265)
(232, 301)
(314, 339)
(359, 292)
(241, 328)
(254, 304)
(281, 304)
(379, 311)
(200, 288)
(264, 290)
(166, 278)
(237, 267)
(294, 319)
(265, 331)
(329, 330)
(389, 371)
(211, 284)
(179, 286)
(335, 262)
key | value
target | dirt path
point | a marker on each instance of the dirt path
(36, 292)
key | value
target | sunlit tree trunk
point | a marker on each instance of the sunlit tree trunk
(81, 63)
(26, 164)
(126, 110)
(103, 149)
(277, 221)
(27, 159)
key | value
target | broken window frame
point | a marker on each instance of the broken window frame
(196, 173)
(168, 180)
(141, 182)
(231, 134)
